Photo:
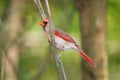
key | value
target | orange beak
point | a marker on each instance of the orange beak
(41, 24)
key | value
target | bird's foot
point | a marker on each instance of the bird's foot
(59, 56)
(61, 50)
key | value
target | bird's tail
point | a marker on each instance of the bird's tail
(87, 58)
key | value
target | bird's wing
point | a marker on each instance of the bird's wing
(63, 35)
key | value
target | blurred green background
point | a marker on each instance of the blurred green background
(34, 52)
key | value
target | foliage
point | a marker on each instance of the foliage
(66, 17)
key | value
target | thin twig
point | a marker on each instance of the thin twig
(39, 5)
(63, 70)
(4, 52)
(44, 66)
(2, 67)
(59, 64)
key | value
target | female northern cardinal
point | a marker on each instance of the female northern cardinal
(64, 41)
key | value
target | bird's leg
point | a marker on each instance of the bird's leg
(59, 55)
(61, 50)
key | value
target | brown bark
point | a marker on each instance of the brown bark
(12, 29)
(93, 30)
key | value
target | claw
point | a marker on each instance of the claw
(61, 50)
(59, 55)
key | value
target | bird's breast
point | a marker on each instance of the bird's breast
(62, 44)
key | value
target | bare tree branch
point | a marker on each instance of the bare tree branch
(4, 52)
(45, 64)
(59, 64)
(2, 66)
(60, 68)
(39, 5)
(5, 46)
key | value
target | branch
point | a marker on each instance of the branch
(44, 66)
(4, 52)
(60, 68)
(39, 5)
(2, 43)
(59, 64)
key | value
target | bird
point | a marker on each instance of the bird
(63, 41)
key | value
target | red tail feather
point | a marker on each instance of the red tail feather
(87, 58)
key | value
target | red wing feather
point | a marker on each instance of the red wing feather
(63, 35)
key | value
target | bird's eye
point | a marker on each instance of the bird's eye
(45, 22)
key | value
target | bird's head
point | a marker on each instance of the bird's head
(44, 23)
